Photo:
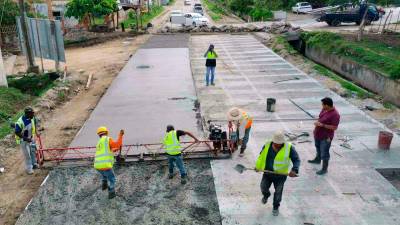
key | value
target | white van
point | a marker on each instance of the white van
(302, 7)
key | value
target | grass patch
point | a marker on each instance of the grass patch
(279, 43)
(32, 84)
(214, 10)
(12, 101)
(146, 18)
(348, 85)
(374, 55)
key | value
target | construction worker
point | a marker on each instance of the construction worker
(104, 159)
(25, 133)
(243, 123)
(275, 156)
(324, 131)
(174, 151)
(211, 62)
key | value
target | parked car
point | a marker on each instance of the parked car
(175, 13)
(355, 16)
(302, 7)
(187, 2)
(197, 4)
(195, 19)
(198, 9)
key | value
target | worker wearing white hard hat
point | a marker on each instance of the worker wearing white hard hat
(243, 122)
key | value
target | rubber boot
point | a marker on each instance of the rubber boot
(111, 195)
(104, 185)
(324, 169)
(316, 160)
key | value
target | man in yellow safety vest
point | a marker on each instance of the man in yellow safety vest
(104, 159)
(243, 123)
(25, 133)
(174, 151)
(276, 156)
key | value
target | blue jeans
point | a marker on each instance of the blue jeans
(108, 175)
(179, 163)
(245, 139)
(322, 147)
(210, 69)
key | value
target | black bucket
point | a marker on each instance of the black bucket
(271, 104)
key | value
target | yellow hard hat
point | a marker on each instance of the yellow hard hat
(102, 130)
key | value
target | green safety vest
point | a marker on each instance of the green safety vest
(211, 55)
(104, 158)
(21, 124)
(282, 158)
(171, 143)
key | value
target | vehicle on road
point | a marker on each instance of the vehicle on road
(197, 8)
(302, 7)
(175, 13)
(197, 4)
(187, 2)
(196, 19)
(352, 16)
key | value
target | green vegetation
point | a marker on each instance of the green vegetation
(10, 9)
(21, 93)
(146, 18)
(216, 11)
(93, 9)
(348, 85)
(280, 44)
(375, 55)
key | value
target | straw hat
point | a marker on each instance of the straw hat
(278, 137)
(234, 114)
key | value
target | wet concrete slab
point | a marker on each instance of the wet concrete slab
(143, 101)
(353, 192)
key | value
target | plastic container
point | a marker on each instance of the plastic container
(385, 139)
(271, 104)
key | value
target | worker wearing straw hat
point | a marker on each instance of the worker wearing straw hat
(243, 123)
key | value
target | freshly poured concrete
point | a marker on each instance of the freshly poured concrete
(353, 192)
(143, 101)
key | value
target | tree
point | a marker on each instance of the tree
(9, 10)
(83, 8)
(243, 7)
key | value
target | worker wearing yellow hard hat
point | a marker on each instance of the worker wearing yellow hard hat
(104, 158)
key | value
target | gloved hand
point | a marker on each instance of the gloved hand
(27, 139)
(121, 132)
(240, 142)
(293, 174)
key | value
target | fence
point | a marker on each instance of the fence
(9, 38)
(388, 23)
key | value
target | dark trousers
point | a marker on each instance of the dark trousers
(278, 182)
(245, 140)
(108, 176)
(322, 147)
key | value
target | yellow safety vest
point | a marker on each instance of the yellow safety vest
(211, 55)
(21, 124)
(104, 158)
(281, 161)
(171, 143)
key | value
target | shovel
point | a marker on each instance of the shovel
(240, 168)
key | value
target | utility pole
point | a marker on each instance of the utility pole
(29, 53)
(3, 75)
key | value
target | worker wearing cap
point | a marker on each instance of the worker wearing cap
(104, 159)
(275, 156)
(174, 151)
(25, 133)
(243, 123)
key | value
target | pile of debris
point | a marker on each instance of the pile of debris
(275, 28)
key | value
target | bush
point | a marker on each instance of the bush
(395, 71)
(11, 101)
(32, 84)
(261, 14)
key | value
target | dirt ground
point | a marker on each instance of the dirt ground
(146, 196)
(62, 120)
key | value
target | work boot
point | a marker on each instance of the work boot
(36, 166)
(317, 160)
(111, 195)
(183, 180)
(104, 185)
(29, 172)
(264, 200)
(324, 169)
(275, 212)
(170, 176)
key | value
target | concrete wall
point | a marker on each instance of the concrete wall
(369, 79)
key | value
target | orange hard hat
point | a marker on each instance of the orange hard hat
(102, 130)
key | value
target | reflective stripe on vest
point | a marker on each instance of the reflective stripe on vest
(104, 158)
(21, 124)
(211, 55)
(248, 119)
(171, 143)
(281, 161)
